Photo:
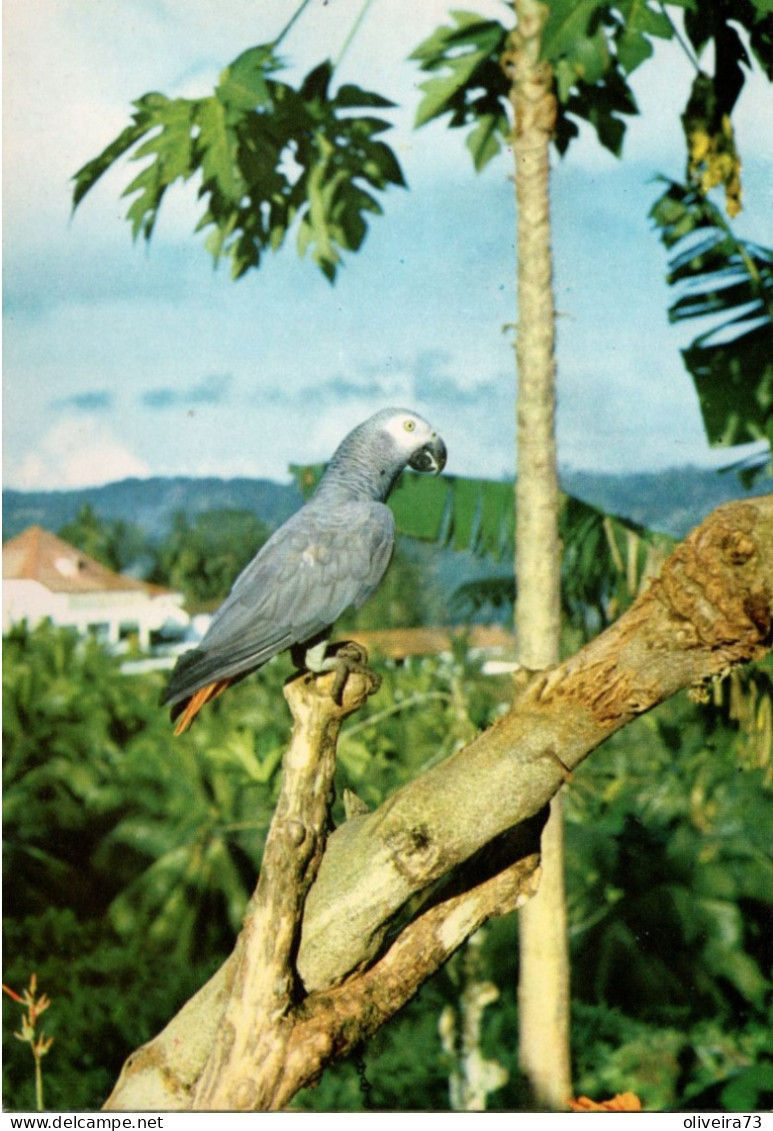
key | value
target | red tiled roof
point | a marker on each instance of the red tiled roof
(38, 555)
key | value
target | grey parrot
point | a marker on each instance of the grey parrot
(329, 556)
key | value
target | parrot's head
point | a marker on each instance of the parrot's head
(415, 441)
(370, 459)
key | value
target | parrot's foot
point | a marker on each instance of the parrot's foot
(343, 659)
(348, 659)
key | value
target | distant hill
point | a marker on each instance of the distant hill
(150, 503)
(670, 501)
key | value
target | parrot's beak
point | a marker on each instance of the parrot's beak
(431, 457)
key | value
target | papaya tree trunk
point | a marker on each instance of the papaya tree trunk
(543, 993)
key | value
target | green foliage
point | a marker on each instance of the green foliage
(113, 818)
(593, 47)
(605, 558)
(670, 885)
(109, 995)
(268, 156)
(468, 514)
(468, 83)
(129, 856)
(204, 556)
(113, 542)
(605, 562)
(123, 850)
(728, 281)
(707, 1067)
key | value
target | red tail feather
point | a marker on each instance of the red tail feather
(197, 701)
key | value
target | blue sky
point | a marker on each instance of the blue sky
(121, 359)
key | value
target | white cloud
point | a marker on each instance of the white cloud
(76, 452)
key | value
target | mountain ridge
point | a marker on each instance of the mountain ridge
(149, 503)
(671, 501)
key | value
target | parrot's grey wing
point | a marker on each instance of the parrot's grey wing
(311, 570)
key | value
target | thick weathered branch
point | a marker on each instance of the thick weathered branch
(711, 608)
(399, 889)
(333, 1022)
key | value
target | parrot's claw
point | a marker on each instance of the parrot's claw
(350, 659)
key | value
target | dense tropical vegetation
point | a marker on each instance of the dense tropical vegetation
(676, 1030)
(129, 857)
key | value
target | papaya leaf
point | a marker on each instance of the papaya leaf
(593, 47)
(632, 50)
(567, 24)
(172, 145)
(244, 84)
(483, 142)
(315, 86)
(268, 155)
(90, 173)
(728, 281)
(216, 145)
(350, 96)
(648, 17)
(472, 87)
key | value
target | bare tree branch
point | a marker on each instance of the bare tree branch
(258, 1020)
(399, 889)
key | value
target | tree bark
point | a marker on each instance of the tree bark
(397, 891)
(543, 983)
(544, 1033)
(537, 552)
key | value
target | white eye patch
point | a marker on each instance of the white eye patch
(407, 431)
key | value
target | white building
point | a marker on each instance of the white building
(46, 578)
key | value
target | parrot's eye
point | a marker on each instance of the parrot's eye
(409, 425)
